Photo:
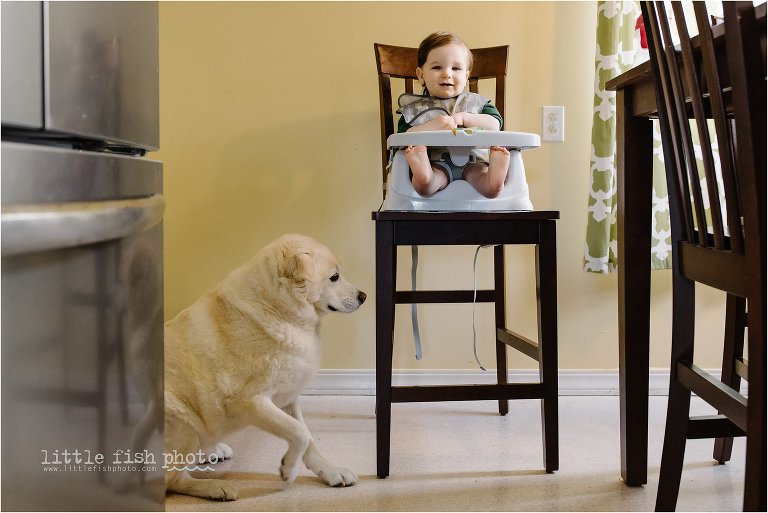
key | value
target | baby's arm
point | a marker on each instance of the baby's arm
(485, 121)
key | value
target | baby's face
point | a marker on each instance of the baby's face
(445, 72)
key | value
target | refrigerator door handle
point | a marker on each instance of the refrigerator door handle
(30, 228)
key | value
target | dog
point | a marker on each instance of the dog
(242, 354)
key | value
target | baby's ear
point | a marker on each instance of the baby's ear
(420, 75)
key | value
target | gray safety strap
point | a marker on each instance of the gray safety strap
(414, 313)
(474, 302)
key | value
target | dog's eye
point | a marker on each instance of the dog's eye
(335, 277)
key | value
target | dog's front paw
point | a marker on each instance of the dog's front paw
(223, 451)
(337, 476)
(289, 471)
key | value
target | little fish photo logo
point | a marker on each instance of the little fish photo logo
(124, 460)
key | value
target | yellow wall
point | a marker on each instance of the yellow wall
(270, 124)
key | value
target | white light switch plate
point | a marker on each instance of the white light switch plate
(553, 123)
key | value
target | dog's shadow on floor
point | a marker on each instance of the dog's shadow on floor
(316, 415)
(249, 485)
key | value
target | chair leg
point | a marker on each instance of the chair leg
(733, 348)
(755, 476)
(386, 262)
(546, 286)
(500, 313)
(678, 404)
(673, 453)
(755, 470)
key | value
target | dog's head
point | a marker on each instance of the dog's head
(313, 274)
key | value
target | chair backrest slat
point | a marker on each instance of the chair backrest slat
(691, 90)
(723, 127)
(694, 88)
(677, 149)
(400, 63)
(747, 71)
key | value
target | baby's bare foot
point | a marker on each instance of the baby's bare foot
(498, 165)
(425, 180)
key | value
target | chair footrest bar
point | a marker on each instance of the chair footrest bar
(443, 296)
(712, 426)
(719, 395)
(741, 368)
(525, 345)
(439, 393)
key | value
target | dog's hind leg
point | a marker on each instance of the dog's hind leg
(267, 416)
(324, 469)
(182, 482)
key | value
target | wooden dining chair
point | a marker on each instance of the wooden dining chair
(413, 228)
(724, 248)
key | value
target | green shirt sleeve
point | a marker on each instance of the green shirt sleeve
(491, 110)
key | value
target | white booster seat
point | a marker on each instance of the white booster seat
(459, 195)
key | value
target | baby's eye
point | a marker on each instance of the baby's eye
(335, 277)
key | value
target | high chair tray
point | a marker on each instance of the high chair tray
(467, 137)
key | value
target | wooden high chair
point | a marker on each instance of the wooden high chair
(398, 228)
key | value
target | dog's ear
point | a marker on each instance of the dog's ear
(298, 270)
(304, 266)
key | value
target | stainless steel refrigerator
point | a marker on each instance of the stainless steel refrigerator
(82, 257)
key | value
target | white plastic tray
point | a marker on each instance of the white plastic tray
(466, 137)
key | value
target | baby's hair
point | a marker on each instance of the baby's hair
(438, 39)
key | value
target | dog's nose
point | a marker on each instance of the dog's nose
(361, 297)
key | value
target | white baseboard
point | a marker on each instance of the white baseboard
(570, 382)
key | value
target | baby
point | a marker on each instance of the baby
(444, 63)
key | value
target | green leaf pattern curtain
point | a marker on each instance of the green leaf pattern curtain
(617, 50)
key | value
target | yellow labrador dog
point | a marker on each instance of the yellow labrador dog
(242, 354)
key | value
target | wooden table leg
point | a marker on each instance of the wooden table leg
(386, 268)
(634, 151)
(546, 284)
(500, 314)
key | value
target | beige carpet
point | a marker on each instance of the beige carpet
(464, 457)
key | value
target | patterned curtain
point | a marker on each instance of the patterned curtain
(618, 49)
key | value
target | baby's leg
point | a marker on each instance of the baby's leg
(489, 179)
(427, 179)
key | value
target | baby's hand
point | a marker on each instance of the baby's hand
(446, 122)
(468, 119)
